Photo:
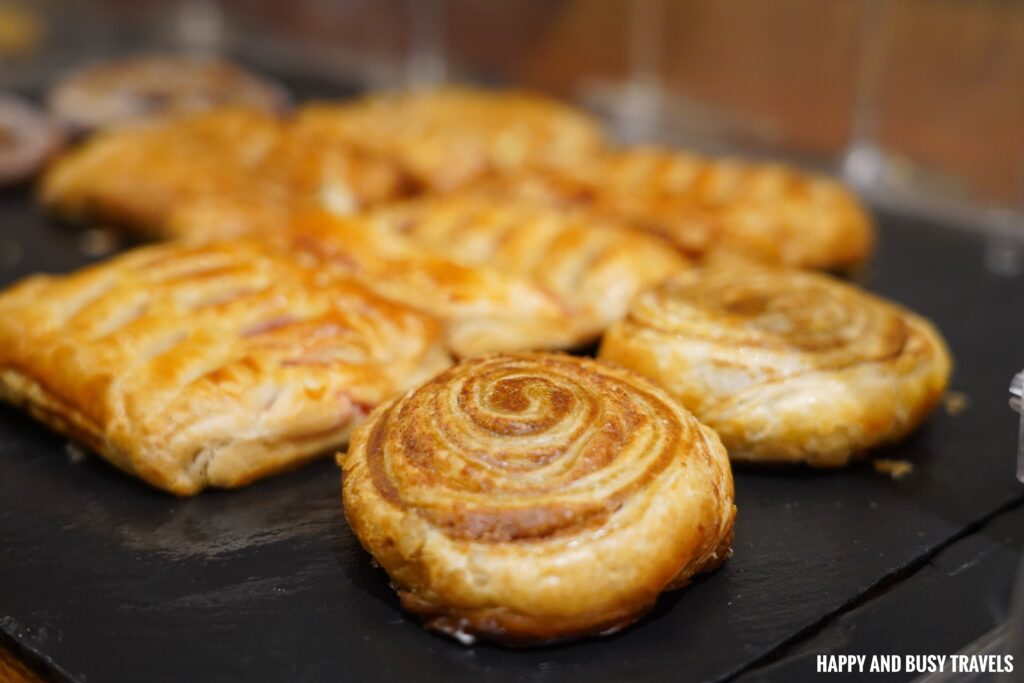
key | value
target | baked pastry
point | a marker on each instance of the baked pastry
(195, 366)
(213, 176)
(135, 177)
(445, 138)
(305, 172)
(28, 137)
(785, 365)
(483, 309)
(592, 267)
(132, 90)
(511, 498)
(769, 211)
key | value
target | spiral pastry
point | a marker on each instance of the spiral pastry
(511, 497)
(785, 365)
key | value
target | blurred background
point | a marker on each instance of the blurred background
(918, 103)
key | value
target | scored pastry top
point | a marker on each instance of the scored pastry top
(448, 137)
(214, 175)
(770, 211)
(591, 266)
(178, 362)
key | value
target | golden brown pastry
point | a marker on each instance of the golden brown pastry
(306, 171)
(135, 177)
(591, 267)
(213, 176)
(447, 137)
(132, 90)
(707, 206)
(785, 365)
(207, 366)
(531, 498)
(483, 309)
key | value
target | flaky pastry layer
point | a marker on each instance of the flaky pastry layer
(785, 365)
(512, 497)
(706, 206)
(214, 176)
(195, 366)
(590, 267)
(445, 138)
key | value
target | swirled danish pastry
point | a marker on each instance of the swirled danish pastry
(592, 267)
(447, 137)
(785, 365)
(529, 498)
(772, 212)
(195, 366)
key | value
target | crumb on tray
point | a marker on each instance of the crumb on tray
(956, 402)
(897, 469)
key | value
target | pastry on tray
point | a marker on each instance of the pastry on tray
(502, 275)
(531, 498)
(483, 309)
(212, 176)
(132, 90)
(28, 137)
(591, 267)
(196, 366)
(768, 211)
(447, 137)
(785, 365)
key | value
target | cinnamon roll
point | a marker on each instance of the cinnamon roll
(785, 365)
(768, 211)
(512, 497)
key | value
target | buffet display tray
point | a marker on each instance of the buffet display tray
(105, 579)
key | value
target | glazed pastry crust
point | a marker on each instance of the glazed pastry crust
(207, 366)
(214, 176)
(482, 309)
(785, 365)
(510, 497)
(706, 206)
(591, 267)
(446, 138)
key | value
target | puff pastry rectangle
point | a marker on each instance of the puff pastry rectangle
(502, 275)
(445, 138)
(195, 366)
(708, 206)
(214, 176)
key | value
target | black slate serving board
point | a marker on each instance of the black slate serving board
(105, 579)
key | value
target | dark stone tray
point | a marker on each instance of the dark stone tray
(105, 579)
